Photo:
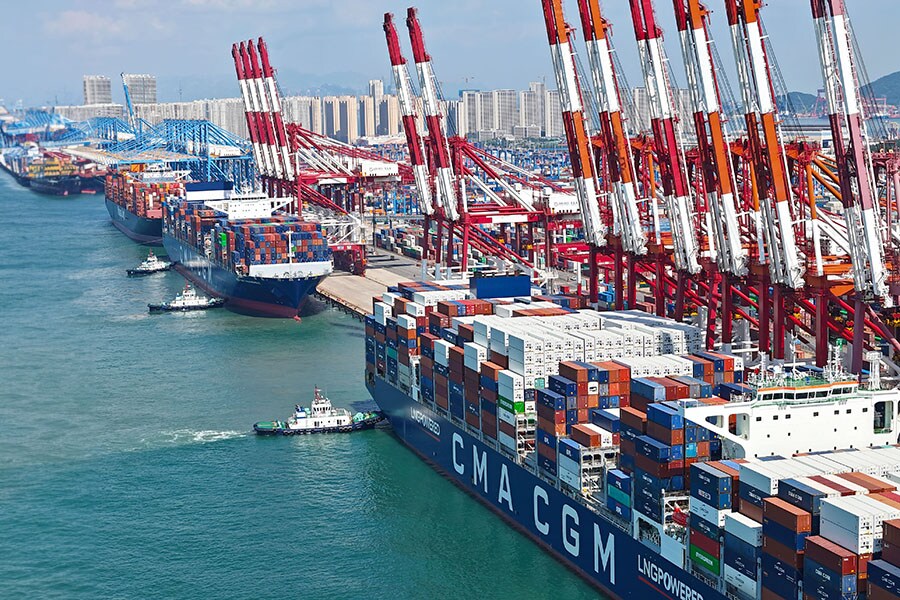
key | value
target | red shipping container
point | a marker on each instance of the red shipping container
(583, 415)
(473, 420)
(499, 359)
(670, 437)
(575, 372)
(783, 553)
(830, 555)
(491, 370)
(489, 395)
(885, 500)
(891, 531)
(787, 515)
(890, 553)
(582, 404)
(626, 447)
(585, 436)
(466, 332)
(844, 491)
(870, 483)
(507, 428)
(633, 418)
(593, 400)
(706, 544)
(750, 510)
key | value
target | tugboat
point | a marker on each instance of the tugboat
(152, 264)
(187, 300)
(321, 417)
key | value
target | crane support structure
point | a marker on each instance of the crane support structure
(676, 190)
(854, 160)
(434, 120)
(572, 107)
(713, 145)
(613, 134)
(408, 115)
(785, 262)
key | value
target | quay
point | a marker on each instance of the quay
(353, 293)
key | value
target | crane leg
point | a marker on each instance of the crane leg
(779, 315)
(727, 313)
(632, 281)
(464, 251)
(660, 292)
(679, 297)
(765, 306)
(593, 274)
(859, 328)
(821, 327)
(711, 310)
(620, 279)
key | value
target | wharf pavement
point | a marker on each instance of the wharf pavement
(353, 293)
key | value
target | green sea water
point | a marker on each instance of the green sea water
(127, 469)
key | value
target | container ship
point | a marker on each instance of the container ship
(240, 247)
(52, 173)
(653, 468)
(134, 196)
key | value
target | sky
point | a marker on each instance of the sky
(338, 45)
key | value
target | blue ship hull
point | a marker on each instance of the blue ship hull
(594, 547)
(140, 229)
(254, 296)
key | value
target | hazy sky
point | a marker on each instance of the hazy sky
(48, 45)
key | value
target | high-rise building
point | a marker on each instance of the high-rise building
(389, 115)
(141, 88)
(367, 116)
(305, 111)
(469, 112)
(376, 90)
(487, 122)
(97, 89)
(531, 106)
(553, 124)
(506, 112)
(341, 118)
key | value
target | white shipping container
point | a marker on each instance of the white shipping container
(564, 462)
(442, 352)
(415, 309)
(846, 513)
(474, 355)
(744, 584)
(744, 528)
(507, 441)
(511, 380)
(568, 478)
(406, 322)
(506, 416)
(707, 512)
(855, 541)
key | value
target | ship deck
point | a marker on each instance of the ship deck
(354, 292)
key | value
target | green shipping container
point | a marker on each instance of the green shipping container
(392, 352)
(704, 559)
(618, 495)
(513, 407)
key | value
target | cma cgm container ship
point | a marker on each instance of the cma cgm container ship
(642, 461)
(134, 197)
(241, 248)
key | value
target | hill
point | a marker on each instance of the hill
(887, 87)
(796, 101)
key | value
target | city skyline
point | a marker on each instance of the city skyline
(191, 57)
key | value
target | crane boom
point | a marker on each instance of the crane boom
(408, 114)
(852, 155)
(785, 265)
(446, 189)
(572, 106)
(248, 107)
(714, 147)
(612, 129)
(672, 168)
(275, 105)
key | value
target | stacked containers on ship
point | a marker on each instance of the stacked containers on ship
(711, 495)
(510, 409)
(883, 575)
(785, 530)
(742, 547)
(488, 397)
